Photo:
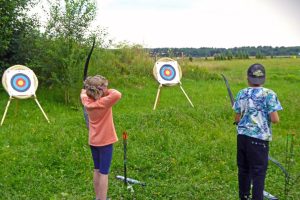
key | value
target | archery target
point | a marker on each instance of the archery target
(167, 72)
(19, 82)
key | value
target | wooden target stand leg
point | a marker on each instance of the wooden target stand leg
(158, 93)
(37, 102)
(186, 95)
(6, 108)
(157, 96)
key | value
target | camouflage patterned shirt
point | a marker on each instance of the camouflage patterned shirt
(255, 104)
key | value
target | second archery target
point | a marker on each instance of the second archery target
(167, 72)
(20, 82)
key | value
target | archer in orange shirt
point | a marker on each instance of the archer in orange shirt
(98, 102)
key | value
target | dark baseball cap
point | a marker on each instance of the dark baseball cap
(256, 74)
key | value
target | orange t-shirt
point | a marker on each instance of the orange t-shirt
(101, 126)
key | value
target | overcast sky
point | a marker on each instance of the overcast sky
(202, 23)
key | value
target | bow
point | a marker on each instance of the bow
(286, 174)
(86, 65)
(228, 90)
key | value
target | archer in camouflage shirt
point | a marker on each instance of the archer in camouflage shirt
(255, 104)
(256, 108)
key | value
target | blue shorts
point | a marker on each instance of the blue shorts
(102, 157)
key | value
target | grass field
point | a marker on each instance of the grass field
(180, 152)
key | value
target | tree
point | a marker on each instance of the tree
(259, 55)
(16, 31)
(9, 11)
(229, 55)
(70, 19)
(68, 32)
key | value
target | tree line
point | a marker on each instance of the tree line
(229, 53)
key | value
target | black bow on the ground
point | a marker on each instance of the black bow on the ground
(286, 174)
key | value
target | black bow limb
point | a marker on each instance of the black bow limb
(86, 65)
(85, 70)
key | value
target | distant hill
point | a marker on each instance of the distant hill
(235, 52)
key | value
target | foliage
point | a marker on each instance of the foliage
(9, 12)
(220, 56)
(65, 37)
(228, 55)
(60, 64)
(17, 32)
(242, 55)
(239, 52)
(70, 19)
(259, 55)
(131, 61)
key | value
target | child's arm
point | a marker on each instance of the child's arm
(274, 117)
(273, 105)
(111, 98)
(83, 96)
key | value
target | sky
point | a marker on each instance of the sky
(201, 23)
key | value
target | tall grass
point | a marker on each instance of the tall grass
(180, 152)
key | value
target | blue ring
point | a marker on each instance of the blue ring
(26, 79)
(167, 67)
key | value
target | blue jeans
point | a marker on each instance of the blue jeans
(252, 161)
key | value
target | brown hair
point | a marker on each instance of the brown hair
(95, 85)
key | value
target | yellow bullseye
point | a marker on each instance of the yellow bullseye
(20, 82)
(167, 72)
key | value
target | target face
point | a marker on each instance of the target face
(20, 83)
(167, 72)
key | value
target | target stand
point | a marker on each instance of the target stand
(20, 82)
(168, 72)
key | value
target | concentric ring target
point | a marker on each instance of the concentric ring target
(20, 82)
(167, 72)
